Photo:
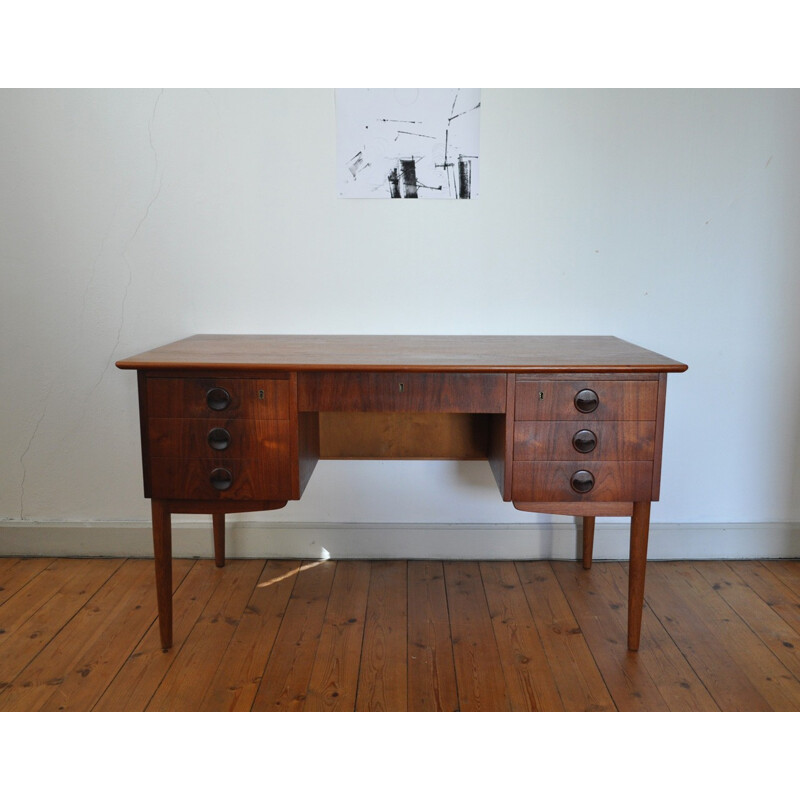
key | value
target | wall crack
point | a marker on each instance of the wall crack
(158, 177)
(25, 453)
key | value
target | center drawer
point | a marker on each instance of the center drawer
(456, 392)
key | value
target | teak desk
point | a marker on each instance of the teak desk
(569, 424)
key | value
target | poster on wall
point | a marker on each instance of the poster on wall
(407, 144)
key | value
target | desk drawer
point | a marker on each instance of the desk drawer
(592, 441)
(220, 479)
(209, 398)
(585, 400)
(219, 438)
(570, 481)
(457, 392)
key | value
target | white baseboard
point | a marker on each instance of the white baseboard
(544, 540)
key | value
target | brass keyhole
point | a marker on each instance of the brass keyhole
(260, 394)
(541, 395)
(401, 387)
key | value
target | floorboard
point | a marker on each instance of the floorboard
(431, 669)
(281, 635)
(383, 677)
(284, 684)
(580, 683)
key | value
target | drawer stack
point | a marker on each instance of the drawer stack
(214, 439)
(584, 439)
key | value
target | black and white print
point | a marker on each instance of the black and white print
(408, 144)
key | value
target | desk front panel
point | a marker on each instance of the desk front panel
(587, 438)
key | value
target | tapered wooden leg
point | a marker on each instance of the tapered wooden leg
(588, 541)
(219, 539)
(640, 530)
(162, 551)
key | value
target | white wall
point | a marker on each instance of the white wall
(132, 218)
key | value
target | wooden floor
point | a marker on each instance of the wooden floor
(81, 634)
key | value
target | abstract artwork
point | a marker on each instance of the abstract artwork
(408, 144)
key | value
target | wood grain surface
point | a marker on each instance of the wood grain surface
(283, 635)
(442, 353)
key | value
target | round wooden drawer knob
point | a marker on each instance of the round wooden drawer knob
(218, 399)
(582, 481)
(219, 439)
(221, 479)
(586, 401)
(584, 441)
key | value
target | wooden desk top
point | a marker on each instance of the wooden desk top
(221, 352)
